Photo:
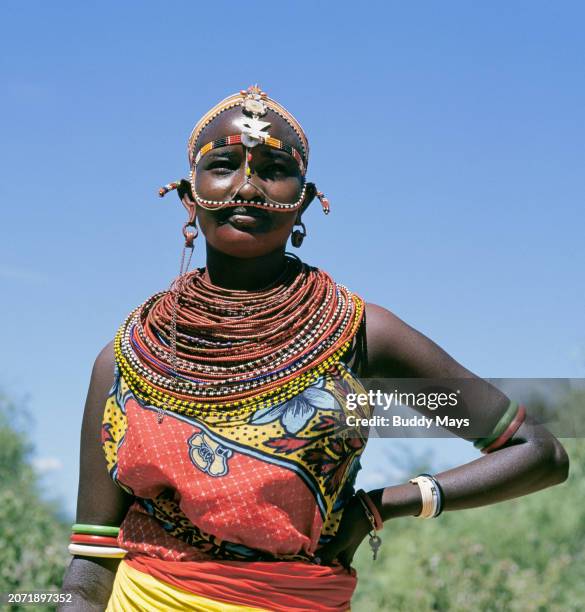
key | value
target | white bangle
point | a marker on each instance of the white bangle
(87, 550)
(430, 496)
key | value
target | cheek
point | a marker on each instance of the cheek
(215, 187)
(210, 186)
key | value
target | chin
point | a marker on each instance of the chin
(246, 245)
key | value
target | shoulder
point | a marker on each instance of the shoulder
(101, 381)
(387, 331)
(387, 338)
(396, 349)
(379, 319)
(104, 365)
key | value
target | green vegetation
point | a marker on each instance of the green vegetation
(526, 554)
(33, 538)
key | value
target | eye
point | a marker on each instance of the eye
(274, 170)
(221, 167)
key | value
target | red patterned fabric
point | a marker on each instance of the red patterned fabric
(281, 586)
(254, 502)
(272, 487)
(260, 496)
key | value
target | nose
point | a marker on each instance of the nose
(248, 192)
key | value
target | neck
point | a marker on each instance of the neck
(244, 274)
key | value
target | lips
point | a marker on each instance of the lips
(247, 211)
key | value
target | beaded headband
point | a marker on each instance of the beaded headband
(237, 139)
(255, 104)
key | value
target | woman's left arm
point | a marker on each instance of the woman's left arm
(531, 460)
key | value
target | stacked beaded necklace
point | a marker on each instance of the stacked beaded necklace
(199, 349)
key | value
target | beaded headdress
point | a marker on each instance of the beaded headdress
(254, 131)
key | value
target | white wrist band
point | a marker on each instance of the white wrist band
(87, 550)
(430, 496)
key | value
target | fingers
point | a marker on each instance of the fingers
(345, 559)
(328, 553)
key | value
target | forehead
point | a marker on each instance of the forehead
(229, 123)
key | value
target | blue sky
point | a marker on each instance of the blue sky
(449, 138)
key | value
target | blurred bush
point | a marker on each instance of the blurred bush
(526, 554)
(33, 537)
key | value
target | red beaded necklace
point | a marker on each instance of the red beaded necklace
(231, 348)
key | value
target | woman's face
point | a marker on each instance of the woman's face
(247, 231)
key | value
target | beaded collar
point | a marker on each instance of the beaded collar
(231, 352)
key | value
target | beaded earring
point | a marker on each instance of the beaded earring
(298, 236)
(189, 236)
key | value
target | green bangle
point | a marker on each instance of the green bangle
(500, 427)
(95, 529)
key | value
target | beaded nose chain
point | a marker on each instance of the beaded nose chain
(235, 201)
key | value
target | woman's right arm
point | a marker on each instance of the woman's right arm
(100, 501)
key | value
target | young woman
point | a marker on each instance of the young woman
(217, 468)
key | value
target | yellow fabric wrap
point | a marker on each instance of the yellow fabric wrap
(135, 591)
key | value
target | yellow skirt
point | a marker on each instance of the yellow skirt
(135, 591)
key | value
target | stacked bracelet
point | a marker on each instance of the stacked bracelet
(432, 495)
(508, 433)
(375, 519)
(95, 541)
(504, 429)
(83, 550)
(103, 530)
(82, 538)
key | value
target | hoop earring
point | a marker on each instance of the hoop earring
(190, 236)
(189, 242)
(298, 236)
